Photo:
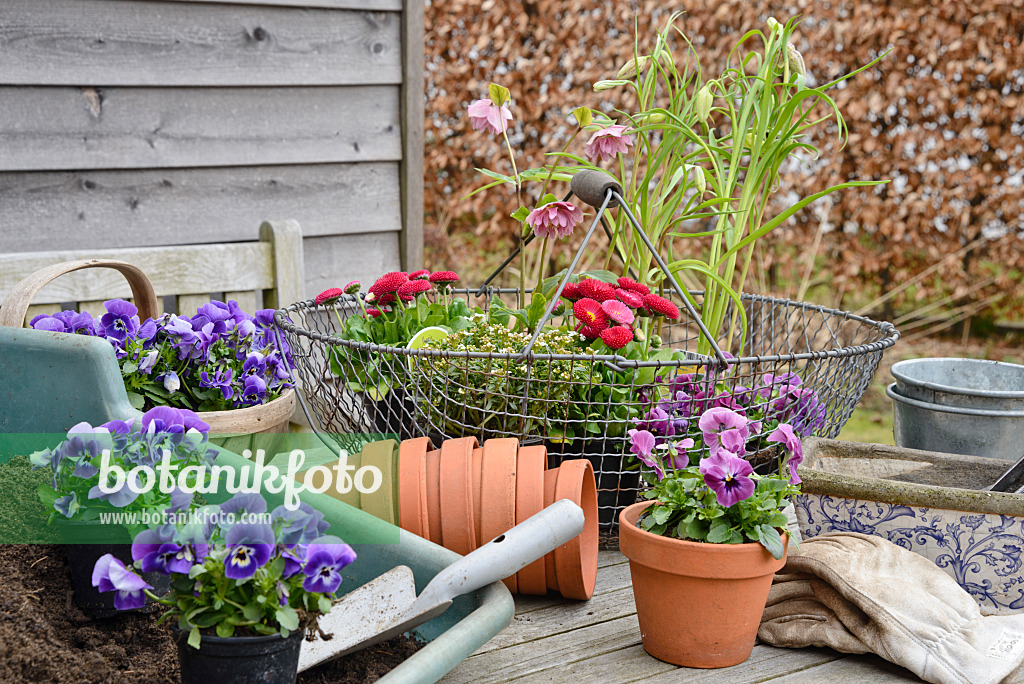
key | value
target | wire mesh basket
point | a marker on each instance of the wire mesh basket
(581, 405)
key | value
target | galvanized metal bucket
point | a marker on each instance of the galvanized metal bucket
(964, 383)
(955, 430)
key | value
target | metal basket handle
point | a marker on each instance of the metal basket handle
(598, 188)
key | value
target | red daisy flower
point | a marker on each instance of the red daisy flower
(352, 288)
(571, 291)
(389, 283)
(590, 333)
(596, 290)
(385, 299)
(412, 288)
(617, 337)
(373, 313)
(590, 314)
(328, 296)
(444, 277)
(630, 298)
(660, 306)
(421, 274)
(633, 286)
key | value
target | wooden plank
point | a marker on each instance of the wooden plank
(606, 557)
(192, 269)
(188, 304)
(563, 618)
(334, 261)
(247, 300)
(128, 128)
(560, 650)
(387, 5)
(94, 209)
(765, 663)
(609, 579)
(629, 664)
(112, 43)
(859, 669)
(285, 240)
(412, 134)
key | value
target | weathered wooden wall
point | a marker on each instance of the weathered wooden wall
(129, 123)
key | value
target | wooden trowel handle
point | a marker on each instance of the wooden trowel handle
(507, 554)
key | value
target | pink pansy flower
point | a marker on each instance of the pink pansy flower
(785, 435)
(555, 219)
(607, 143)
(728, 477)
(485, 115)
(618, 312)
(724, 430)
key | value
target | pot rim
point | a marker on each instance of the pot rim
(213, 638)
(892, 393)
(753, 552)
(902, 377)
(277, 410)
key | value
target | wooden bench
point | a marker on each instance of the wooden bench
(263, 274)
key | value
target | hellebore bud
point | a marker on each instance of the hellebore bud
(633, 67)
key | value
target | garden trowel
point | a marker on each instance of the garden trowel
(387, 606)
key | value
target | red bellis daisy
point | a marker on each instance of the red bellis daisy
(444, 277)
(633, 286)
(660, 306)
(617, 337)
(630, 298)
(596, 290)
(590, 314)
(389, 283)
(412, 288)
(328, 296)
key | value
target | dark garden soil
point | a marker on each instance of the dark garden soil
(44, 637)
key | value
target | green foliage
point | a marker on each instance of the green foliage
(686, 508)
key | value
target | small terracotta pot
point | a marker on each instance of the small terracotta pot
(530, 464)
(698, 604)
(458, 518)
(412, 504)
(576, 560)
(496, 505)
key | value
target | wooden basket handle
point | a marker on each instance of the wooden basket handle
(15, 306)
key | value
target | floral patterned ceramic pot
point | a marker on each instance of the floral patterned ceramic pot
(928, 502)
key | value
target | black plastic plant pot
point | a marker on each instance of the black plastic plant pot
(240, 660)
(616, 487)
(94, 542)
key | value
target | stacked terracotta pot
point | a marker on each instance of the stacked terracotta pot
(463, 495)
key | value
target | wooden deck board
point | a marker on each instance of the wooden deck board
(555, 640)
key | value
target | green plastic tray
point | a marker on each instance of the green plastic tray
(51, 381)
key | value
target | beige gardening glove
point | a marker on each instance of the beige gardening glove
(857, 593)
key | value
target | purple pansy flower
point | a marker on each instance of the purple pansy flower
(723, 428)
(245, 502)
(249, 548)
(255, 389)
(785, 435)
(68, 505)
(121, 320)
(299, 526)
(728, 477)
(221, 380)
(642, 445)
(120, 498)
(49, 323)
(110, 574)
(324, 560)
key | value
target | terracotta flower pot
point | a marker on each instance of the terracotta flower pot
(699, 604)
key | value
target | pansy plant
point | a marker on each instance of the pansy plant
(164, 433)
(719, 499)
(236, 570)
(218, 359)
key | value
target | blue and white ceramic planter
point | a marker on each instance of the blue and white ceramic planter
(975, 536)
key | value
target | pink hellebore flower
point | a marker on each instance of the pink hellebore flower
(555, 219)
(728, 477)
(724, 430)
(607, 143)
(484, 115)
(785, 435)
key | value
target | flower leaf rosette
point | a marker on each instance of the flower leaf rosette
(168, 434)
(221, 358)
(719, 499)
(234, 569)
